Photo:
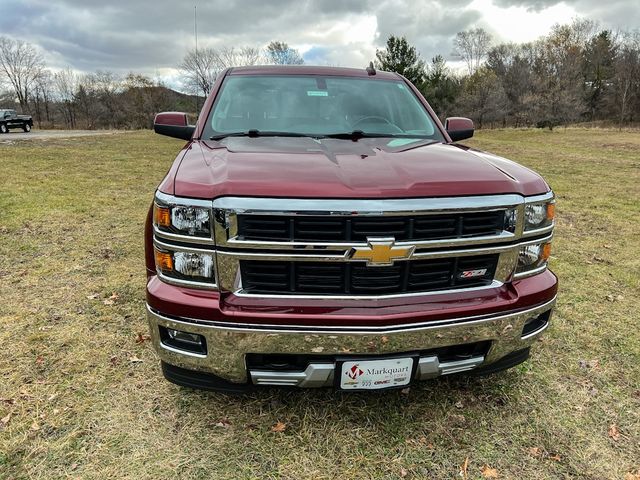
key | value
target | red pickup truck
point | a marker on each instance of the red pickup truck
(321, 227)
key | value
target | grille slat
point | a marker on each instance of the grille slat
(358, 228)
(343, 278)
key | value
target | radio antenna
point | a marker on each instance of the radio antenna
(195, 31)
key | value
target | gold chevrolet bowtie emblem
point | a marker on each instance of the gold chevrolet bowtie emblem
(381, 252)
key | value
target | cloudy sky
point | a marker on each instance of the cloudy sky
(152, 36)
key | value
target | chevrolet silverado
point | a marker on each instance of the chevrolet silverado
(321, 227)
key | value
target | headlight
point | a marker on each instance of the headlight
(532, 258)
(539, 214)
(185, 265)
(182, 216)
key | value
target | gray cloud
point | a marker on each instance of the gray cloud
(148, 36)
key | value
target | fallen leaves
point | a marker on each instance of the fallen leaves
(632, 476)
(141, 338)
(107, 301)
(464, 469)
(592, 364)
(542, 453)
(135, 359)
(112, 299)
(615, 298)
(403, 472)
(279, 427)
(488, 472)
(535, 451)
(223, 423)
(614, 433)
(317, 349)
(5, 420)
(420, 442)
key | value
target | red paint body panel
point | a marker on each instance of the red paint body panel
(258, 167)
(171, 118)
(207, 305)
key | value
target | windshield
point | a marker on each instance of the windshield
(319, 106)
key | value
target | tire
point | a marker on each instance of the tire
(4, 128)
(26, 127)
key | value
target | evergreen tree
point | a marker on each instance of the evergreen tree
(401, 57)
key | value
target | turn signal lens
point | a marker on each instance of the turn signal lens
(546, 252)
(164, 261)
(162, 216)
(551, 211)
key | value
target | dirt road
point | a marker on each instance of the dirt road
(51, 134)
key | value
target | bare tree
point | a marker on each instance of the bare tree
(109, 88)
(483, 97)
(472, 47)
(626, 86)
(86, 98)
(279, 53)
(21, 64)
(201, 68)
(42, 96)
(65, 84)
(228, 57)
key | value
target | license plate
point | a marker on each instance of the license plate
(375, 374)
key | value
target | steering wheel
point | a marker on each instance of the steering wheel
(375, 119)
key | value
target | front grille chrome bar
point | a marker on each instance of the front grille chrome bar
(227, 209)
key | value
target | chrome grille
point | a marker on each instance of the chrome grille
(344, 278)
(307, 247)
(339, 229)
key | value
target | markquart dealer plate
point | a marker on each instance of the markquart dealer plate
(376, 374)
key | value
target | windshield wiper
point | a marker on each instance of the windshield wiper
(357, 134)
(253, 133)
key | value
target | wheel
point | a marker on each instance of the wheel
(3, 128)
(26, 127)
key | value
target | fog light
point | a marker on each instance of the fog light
(189, 342)
(534, 325)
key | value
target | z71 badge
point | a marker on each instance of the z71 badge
(479, 272)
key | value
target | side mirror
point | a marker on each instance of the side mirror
(459, 128)
(173, 124)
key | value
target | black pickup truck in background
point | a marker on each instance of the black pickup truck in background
(10, 119)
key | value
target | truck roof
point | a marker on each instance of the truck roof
(310, 70)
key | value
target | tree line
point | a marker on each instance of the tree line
(103, 99)
(576, 73)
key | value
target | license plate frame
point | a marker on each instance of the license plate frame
(357, 384)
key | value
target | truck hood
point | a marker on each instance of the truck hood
(331, 168)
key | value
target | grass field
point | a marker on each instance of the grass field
(81, 394)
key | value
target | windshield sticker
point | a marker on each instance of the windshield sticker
(317, 93)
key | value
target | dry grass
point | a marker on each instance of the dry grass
(74, 404)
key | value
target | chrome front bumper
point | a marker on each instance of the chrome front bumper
(228, 344)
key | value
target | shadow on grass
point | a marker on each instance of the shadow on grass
(389, 412)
